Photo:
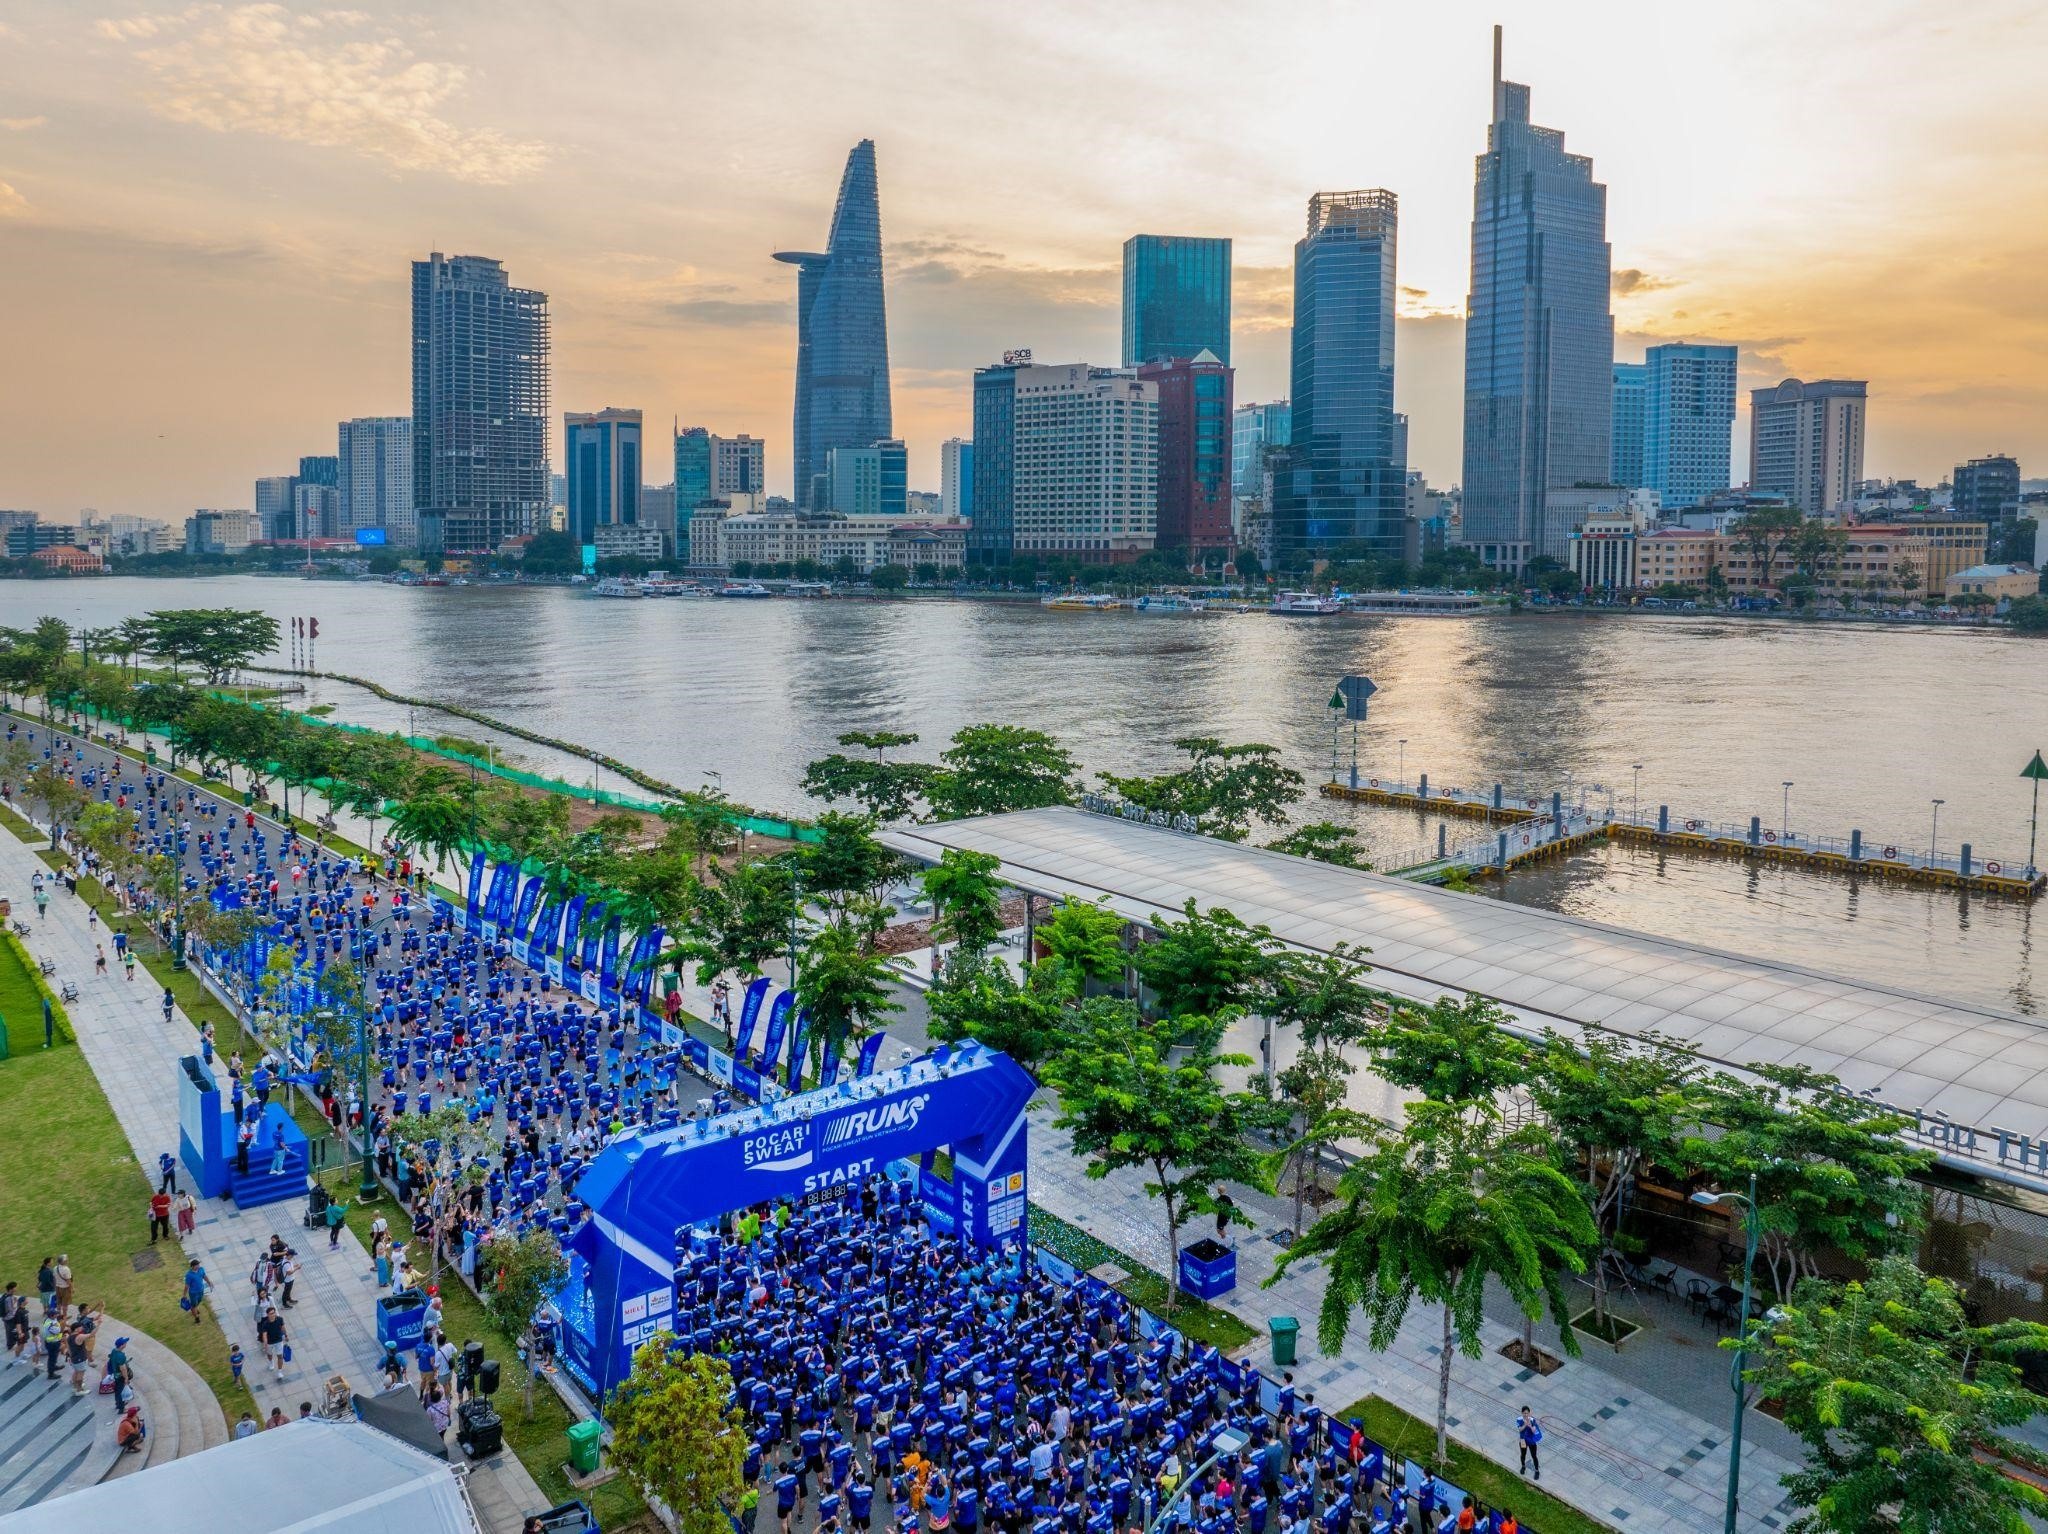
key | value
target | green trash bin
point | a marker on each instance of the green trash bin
(585, 1440)
(1285, 1330)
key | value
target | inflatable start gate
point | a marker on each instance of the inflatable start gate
(644, 1191)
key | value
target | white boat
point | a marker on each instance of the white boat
(1081, 602)
(1305, 604)
(1165, 603)
(614, 586)
(655, 587)
(752, 589)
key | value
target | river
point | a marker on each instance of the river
(1868, 725)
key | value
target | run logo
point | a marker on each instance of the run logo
(873, 1121)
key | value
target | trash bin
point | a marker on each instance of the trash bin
(585, 1441)
(1285, 1330)
(400, 1319)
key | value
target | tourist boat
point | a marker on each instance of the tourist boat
(1081, 602)
(752, 589)
(1420, 604)
(1165, 603)
(1305, 604)
(614, 586)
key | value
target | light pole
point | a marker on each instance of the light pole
(1635, 798)
(1750, 1223)
(1785, 814)
(1934, 834)
(2037, 769)
(1401, 768)
(1228, 1442)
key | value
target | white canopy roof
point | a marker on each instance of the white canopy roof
(1978, 1078)
(309, 1476)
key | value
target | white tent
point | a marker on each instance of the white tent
(313, 1475)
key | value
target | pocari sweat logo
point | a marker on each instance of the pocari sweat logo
(873, 1121)
(784, 1148)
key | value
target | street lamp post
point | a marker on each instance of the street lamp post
(1934, 834)
(1750, 1226)
(1785, 814)
(1401, 763)
(1228, 1442)
(1635, 801)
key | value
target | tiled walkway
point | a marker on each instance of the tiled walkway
(331, 1327)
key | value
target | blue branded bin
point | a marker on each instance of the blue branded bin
(1208, 1269)
(401, 1317)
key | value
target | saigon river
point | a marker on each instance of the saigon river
(1869, 724)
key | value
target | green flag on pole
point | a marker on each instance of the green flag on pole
(1337, 701)
(2036, 769)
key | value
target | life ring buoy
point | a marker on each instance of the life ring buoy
(1692, 825)
(1375, 782)
(1532, 804)
(1991, 868)
(1525, 841)
(1770, 836)
(1891, 852)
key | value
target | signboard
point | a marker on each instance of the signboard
(372, 537)
(1351, 695)
(590, 559)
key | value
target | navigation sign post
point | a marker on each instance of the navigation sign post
(1351, 695)
(2037, 770)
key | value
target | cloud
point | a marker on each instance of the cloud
(317, 79)
(1631, 280)
(12, 203)
(22, 124)
(732, 313)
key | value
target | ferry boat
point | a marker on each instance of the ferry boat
(615, 586)
(1420, 604)
(1166, 604)
(749, 589)
(1305, 604)
(1081, 602)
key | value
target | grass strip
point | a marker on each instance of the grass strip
(1490, 1483)
(1192, 1317)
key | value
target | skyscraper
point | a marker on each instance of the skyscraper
(1253, 429)
(601, 451)
(1194, 452)
(842, 331)
(871, 481)
(1631, 388)
(992, 539)
(320, 469)
(956, 479)
(479, 404)
(709, 467)
(1688, 422)
(1176, 298)
(1342, 481)
(1806, 442)
(1987, 490)
(275, 518)
(375, 479)
(1539, 333)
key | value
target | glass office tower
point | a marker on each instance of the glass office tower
(1176, 298)
(842, 331)
(1343, 480)
(1539, 336)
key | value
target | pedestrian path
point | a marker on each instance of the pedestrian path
(134, 1052)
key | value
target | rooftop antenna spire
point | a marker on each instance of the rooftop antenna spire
(1496, 72)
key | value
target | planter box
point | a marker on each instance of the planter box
(1585, 1325)
(1208, 1269)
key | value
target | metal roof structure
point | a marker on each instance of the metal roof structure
(1975, 1080)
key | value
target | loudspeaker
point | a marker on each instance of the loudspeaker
(479, 1430)
(487, 1377)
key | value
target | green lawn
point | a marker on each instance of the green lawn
(1492, 1484)
(21, 1000)
(1196, 1318)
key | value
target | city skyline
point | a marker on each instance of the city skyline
(175, 248)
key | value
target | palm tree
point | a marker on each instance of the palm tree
(439, 818)
(846, 988)
(1433, 1212)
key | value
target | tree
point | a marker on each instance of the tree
(1128, 1105)
(218, 641)
(373, 770)
(847, 989)
(516, 1278)
(2028, 614)
(1313, 1089)
(1619, 1103)
(1325, 995)
(60, 798)
(1325, 842)
(877, 741)
(438, 815)
(887, 790)
(1454, 1051)
(1223, 787)
(677, 1434)
(1764, 531)
(889, 578)
(987, 1003)
(1086, 941)
(1436, 1210)
(1908, 575)
(967, 902)
(1894, 1392)
(927, 573)
(992, 769)
(847, 869)
(1205, 962)
(1831, 1169)
(736, 922)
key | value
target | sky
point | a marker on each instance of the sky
(207, 213)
